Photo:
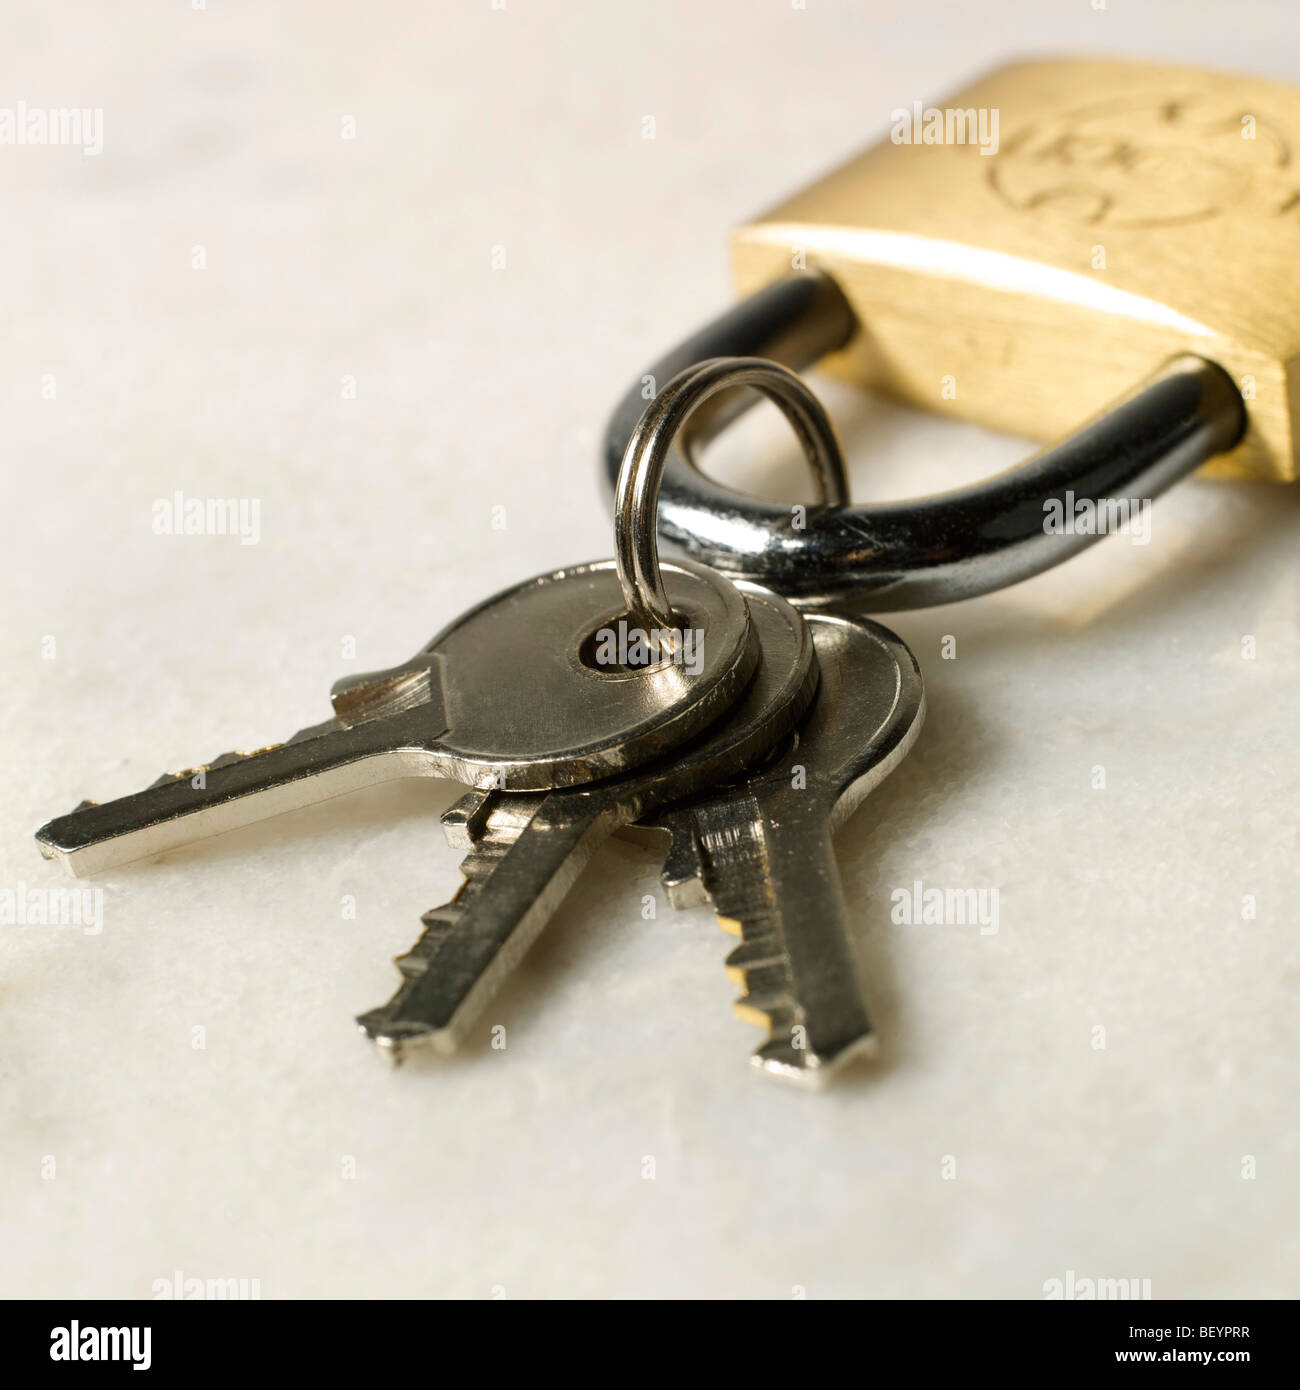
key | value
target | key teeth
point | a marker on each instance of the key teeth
(788, 1054)
(385, 1026)
(237, 755)
(168, 778)
(752, 954)
(766, 991)
(489, 823)
(438, 924)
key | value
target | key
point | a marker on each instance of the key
(512, 695)
(761, 852)
(526, 851)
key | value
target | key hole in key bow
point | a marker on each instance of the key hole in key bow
(620, 647)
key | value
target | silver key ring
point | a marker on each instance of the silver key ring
(641, 469)
(927, 550)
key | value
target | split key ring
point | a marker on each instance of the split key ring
(646, 453)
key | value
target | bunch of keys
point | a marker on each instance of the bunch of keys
(749, 658)
(578, 703)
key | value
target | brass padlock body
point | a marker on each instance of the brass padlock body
(1124, 213)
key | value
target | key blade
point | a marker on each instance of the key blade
(761, 853)
(778, 889)
(317, 763)
(513, 884)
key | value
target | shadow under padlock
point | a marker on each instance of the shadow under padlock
(1113, 270)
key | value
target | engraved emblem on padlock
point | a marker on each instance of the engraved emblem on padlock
(1117, 263)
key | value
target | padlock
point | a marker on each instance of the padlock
(1020, 256)
(1115, 215)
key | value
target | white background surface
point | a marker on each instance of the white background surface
(522, 1170)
